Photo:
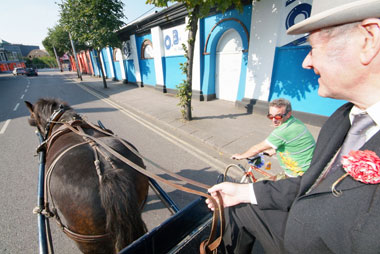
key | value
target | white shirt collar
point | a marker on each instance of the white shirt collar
(373, 111)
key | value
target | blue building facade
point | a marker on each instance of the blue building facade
(244, 57)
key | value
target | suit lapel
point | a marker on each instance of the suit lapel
(348, 182)
(329, 141)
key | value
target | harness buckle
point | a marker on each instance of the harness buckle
(41, 147)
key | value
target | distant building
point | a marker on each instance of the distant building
(26, 49)
(36, 53)
(10, 56)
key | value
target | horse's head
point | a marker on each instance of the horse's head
(43, 110)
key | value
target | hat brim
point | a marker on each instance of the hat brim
(352, 12)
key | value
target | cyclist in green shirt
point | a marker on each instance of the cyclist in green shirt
(291, 140)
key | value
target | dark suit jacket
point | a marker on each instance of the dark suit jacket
(316, 221)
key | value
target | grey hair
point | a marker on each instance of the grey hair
(281, 102)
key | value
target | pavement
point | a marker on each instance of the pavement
(218, 124)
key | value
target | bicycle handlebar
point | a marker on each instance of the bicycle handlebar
(257, 156)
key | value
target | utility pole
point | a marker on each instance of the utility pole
(56, 57)
(75, 58)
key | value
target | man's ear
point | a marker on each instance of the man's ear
(370, 28)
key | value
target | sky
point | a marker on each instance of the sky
(27, 21)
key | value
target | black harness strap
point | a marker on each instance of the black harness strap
(53, 118)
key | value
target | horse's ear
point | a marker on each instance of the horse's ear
(29, 106)
(31, 120)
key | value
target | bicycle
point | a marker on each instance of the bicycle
(255, 164)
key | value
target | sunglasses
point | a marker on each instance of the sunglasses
(277, 117)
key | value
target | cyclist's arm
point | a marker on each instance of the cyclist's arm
(254, 150)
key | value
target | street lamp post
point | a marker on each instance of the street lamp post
(75, 58)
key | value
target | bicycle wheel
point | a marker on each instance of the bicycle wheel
(234, 173)
(248, 176)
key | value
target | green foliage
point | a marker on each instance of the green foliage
(93, 22)
(41, 62)
(184, 91)
(58, 38)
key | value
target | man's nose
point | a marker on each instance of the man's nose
(307, 64)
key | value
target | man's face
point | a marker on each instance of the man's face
(332, 59)
(279, 111)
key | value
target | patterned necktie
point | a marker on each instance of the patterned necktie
(355, 137)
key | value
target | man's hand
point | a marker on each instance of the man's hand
(237, 156)
(270, 152)
(232, 194)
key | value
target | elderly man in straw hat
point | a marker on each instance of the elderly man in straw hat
(335, 206)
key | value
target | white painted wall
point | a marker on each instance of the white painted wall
(196, 81)
(268, 30)
(119, 58)
(158, 52)
(173, 38)
(135, 58)
(110, 61)
(104, 69)
(266, 16)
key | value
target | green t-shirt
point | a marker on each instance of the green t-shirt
(294, 145)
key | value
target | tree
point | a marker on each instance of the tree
(57, 38)
(41, 62)
(58, 42)
(93, 23)
(196, 9)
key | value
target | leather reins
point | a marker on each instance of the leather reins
(207, 246)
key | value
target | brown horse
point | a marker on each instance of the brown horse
(95, 197)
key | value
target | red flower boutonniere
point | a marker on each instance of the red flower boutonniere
(363, 166)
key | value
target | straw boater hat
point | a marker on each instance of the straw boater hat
(326, 13)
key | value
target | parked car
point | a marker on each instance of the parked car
(31, 72)
(18, 71)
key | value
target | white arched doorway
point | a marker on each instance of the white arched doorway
(228, 65)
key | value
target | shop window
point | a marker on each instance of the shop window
(2, 56)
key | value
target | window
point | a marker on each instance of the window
(14, 54)
(2, 56)
(147, 50)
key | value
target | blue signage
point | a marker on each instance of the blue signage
(175, 37)
(301, 9)
(168, 42)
